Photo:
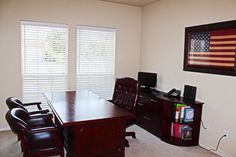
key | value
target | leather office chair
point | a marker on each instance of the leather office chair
(43, 141)
(13, 102)
(125, 95)
(43, 120)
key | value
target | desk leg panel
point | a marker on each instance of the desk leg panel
(98, 139)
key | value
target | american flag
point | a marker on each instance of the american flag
(214, 49)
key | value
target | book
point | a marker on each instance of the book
(176, 131)
(183, 111)
(178, 111)
(188, 114)
(186, 133)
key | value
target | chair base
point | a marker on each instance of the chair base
(129, 134)
(126, 143)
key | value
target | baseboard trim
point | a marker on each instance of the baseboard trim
(5, 129)
(218, 152)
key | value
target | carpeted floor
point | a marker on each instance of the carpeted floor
(145, 145)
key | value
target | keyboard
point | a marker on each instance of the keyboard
(155, 93)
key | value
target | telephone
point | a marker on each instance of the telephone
(173, 93)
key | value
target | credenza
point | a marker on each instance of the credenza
(157, 114)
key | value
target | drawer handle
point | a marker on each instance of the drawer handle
(153, 100)
(146, 117)
(140, 104)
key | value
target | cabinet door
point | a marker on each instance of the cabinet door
(168, 114)
(155, 112)
(168, 110)
(100, 139)
(149, 111)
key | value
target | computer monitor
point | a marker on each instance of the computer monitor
(147, 80)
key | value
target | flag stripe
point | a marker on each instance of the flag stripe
(218, 56)
(211, 61)
(223, 42)
(212, 53)
(212, 58)
(224, 37)
(222, 45)
(223, 48)
(211, 64)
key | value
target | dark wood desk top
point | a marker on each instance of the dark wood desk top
(161, 96)
(80, 107)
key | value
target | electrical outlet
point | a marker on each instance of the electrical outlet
(226, 133)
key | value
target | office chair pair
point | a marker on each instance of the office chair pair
(126, 93)
(37, 133)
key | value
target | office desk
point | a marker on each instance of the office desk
(91, 127)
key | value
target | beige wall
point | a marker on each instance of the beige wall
(162, 51)
(126, 19)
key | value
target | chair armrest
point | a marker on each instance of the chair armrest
(33, 103)
(44, 129)
(39, 112)
(47, 115)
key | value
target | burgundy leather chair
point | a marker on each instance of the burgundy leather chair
(35, 121)
(125, 95)
(13, 102)
(44, 141)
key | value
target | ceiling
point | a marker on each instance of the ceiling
(139, 3)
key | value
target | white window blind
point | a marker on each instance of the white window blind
(96, 60)
(44, 56)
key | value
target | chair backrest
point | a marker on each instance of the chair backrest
(13, 102)
(15, 118)
(126, 93)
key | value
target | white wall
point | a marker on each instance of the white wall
(126, 19)
(162, 51)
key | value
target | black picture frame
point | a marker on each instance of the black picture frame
(201, 29)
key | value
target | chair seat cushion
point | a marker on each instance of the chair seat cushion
(38, 122)
(42, 142)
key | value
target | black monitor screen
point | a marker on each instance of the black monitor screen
(147, 80)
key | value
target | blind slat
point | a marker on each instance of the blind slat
(44, 51)
(96, 60)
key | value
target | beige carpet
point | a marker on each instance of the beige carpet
(148, 145)
(145, 145)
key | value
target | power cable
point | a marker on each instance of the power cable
(203, 126)
(218, 144)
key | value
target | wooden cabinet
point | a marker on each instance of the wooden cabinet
(96, 139)
(156, 114)
(148, 113)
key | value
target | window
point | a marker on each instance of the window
(44, 49)
(211, 48)
(96, 60)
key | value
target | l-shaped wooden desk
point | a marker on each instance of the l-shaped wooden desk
(90, 126)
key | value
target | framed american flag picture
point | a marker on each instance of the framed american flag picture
(211, 48)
